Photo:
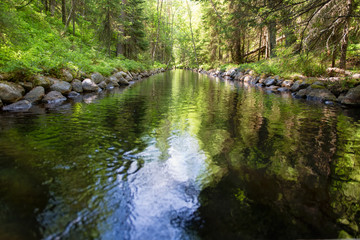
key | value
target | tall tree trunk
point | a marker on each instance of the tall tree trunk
(73, 15)
(192, 35)
(52, 7)
(63, 11)
(158, 28)
(272, 38)
(345, 39)
(260, 40)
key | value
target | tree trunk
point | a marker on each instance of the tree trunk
(345, 39)
(52, 7)
(272, 38)
(63, 11)
(260, 39)
(334, 55)
(192, 35)
(73, 15)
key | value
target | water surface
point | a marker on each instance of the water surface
(180, 156)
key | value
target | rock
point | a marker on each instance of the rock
(248, 78)
(128, 78)
(259, 84)
(102, 85)
(27, 85)
(287, 83)
(110, 86)
(96, 78)
(119, 75)
(356, 76)
(66, 75)
(62, 87)
(352, 97)
(283, 89)
(269, 81)
(272, 88)
(53, 97)
(238, 76)
(35, 95)
(89, 86)
(318, 83)
(1, 104)
(301, 94)
(114, 81)
(42, 81)
(10, 92)
(123, 82)
(22, 105)
(298, 85)
(320, 94)
(337, 71)
(73, 94)
(77, 86)
(341, 97)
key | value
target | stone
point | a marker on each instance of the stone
(27, 85)
(123, 82)
(337, 71)
(301, 93)
(77, 86)
(73, 94)
(89, 86)
(35, 95)
(320, 94)
(318, 83)
(287, 83)
(10, 92)
(356, 76)
(22, 105)
(62, 87)
(248, 78)
(102, 85)
(66, 75)
(97, 77)
(298, 85)
(54, 97)
(352, 97)
(283, 89)
(42, 81)
(238, 76)
(272, 88)
(128, 78)
(269, 81)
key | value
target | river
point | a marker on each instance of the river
(181, 156)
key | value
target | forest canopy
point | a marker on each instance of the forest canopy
(305, 36)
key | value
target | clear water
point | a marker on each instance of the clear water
(180, 156)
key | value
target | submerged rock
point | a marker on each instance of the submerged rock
(10, 92)
(97, 77)
(352, 97)
(77, 86)
(22, 105)
(35, 95)
(73, 94)
(62, 87)
(54, 97)
(89, 86)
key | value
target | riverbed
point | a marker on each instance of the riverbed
(181, 156)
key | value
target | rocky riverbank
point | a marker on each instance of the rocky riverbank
(329, 90)
(22, 95)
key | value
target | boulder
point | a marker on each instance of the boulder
(287, 83)
(301, 93)
(248, 78)
(42, 81)
(27, 85)
(77, 86)
(97, 77)
(123, 82)
(298, 85)
(272, 88)
(10, 92)
(238, 76)
(352, 97)
(89, 86)
(128, 78)
(62, 87)
(35, 95)
(119, 75)
(269, 81)
(22, 105)
(320, 94)
(283, 89)
(53, 97)
(102, 85)
(73, 94)
(356, 76)
(66, 75)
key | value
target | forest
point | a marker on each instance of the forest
(282, 37)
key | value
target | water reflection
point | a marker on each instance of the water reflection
(179, 156)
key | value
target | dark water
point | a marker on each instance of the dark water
(180, 156)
